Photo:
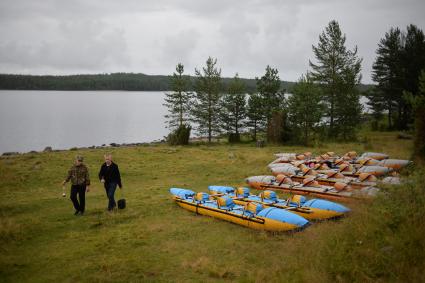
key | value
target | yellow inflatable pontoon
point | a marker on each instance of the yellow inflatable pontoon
(251, 215)
(313, 209)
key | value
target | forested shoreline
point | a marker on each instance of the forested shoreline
(112, 81)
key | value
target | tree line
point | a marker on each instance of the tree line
(323, 104)
(113, 81)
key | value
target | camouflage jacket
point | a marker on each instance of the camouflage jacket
(79, 175)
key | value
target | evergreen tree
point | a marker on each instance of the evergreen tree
(388, 73)
(268, 87)
(348, 108)
(254, 114)
(376, 102)
(400, 58)
(413, 62)
(348, 112)
(418, 104)
(338, 72)
(413, 58)
(305, 109)
(233, 108)
(206, 108)
(178, 101)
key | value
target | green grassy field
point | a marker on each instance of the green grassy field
(155, 240)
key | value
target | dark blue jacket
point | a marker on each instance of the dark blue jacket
(111, 174)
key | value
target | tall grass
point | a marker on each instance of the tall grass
(155, 240)
(384, 240)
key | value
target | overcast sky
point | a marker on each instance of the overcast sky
(71, 36)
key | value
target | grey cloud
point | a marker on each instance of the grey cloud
(151, 36)
(86, 45)
(179, 47)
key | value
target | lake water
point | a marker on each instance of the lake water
(32, 120)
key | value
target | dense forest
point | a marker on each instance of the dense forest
(113, 81)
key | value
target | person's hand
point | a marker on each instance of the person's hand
(87, 189)
(102, 181)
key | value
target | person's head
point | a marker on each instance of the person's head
(108, 158)
(79, 160)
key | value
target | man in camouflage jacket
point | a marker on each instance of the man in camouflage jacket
(80, 180)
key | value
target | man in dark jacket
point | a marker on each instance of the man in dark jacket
(80, 180)
(110, 176)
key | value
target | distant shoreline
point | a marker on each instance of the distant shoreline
(103, 146)
(114, 82)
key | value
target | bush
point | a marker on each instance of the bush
(180, 136)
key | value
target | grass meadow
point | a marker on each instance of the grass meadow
(154, 240)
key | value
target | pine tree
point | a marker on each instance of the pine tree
(338, 72)
(413, 62)
(206, 108)
(418, 104)
(233, 109)
(348, 107)
(400, 59)
(388, 73)
(254, 114)
(268, 87)
(178, 101)
(305, 109)
(413, 58)
(376, 102)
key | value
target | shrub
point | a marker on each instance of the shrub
(180, 136)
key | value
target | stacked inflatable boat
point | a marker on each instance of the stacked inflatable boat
(330, 176)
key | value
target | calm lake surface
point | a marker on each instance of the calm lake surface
(32, 120)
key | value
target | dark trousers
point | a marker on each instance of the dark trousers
(110, 191)
(81, 191)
